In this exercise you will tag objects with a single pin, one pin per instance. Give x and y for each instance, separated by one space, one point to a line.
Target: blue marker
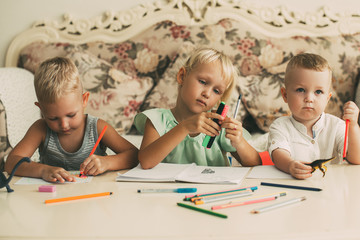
167 190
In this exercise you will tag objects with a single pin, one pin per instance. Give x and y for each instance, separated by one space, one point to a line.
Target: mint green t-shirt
190 150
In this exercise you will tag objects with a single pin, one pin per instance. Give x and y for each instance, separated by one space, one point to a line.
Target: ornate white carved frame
122 25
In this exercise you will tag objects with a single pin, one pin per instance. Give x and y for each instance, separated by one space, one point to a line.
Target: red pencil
346 135
96 144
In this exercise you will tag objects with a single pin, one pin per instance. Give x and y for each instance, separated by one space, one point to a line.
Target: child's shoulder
39 124
332 119
157 116
281 120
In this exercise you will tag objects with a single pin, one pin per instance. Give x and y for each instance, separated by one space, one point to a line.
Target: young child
176 135
65 135
310 134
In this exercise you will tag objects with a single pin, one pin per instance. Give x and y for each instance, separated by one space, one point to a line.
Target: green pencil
202 210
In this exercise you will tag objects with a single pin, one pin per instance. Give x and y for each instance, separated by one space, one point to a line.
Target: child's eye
71 115
300 90
202 82
52 119
319 92
216 91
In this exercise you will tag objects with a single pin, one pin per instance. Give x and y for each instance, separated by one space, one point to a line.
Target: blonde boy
309 133
65 135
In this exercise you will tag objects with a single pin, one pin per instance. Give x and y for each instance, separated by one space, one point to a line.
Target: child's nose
64 124
309 97
206 92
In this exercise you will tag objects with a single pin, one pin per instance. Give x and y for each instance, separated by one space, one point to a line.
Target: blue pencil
291 186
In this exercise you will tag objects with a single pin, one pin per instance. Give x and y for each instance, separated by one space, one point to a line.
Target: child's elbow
145 165
144 162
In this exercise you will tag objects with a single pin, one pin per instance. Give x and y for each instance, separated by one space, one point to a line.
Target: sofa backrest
128 60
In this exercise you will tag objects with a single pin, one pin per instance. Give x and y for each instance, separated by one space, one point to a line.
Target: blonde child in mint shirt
176 135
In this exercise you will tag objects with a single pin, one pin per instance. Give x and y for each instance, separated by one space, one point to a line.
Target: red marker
346 136
96 144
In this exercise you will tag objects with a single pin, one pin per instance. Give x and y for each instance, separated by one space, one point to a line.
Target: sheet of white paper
219 175
268 171
29 180
163 172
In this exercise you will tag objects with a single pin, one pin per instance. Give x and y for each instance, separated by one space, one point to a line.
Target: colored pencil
56 200
202 210
277 205
222 197
346 136
167 190
291 186
96 144
237 106
189 197
98 140
194 199
263 198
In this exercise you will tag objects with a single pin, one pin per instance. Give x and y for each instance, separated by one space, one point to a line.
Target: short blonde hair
209 55
307 61
55 78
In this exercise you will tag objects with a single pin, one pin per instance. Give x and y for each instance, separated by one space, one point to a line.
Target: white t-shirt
327 141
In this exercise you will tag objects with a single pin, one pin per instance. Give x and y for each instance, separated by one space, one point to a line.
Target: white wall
18 15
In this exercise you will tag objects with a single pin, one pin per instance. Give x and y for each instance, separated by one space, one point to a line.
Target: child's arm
26 148
285 163
155 148
125 153
245 154
351 112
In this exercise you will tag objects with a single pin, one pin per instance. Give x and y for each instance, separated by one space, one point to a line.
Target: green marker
202 210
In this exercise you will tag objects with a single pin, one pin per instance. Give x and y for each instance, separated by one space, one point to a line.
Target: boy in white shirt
309 133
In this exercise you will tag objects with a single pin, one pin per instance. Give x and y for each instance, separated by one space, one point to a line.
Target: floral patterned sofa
133 68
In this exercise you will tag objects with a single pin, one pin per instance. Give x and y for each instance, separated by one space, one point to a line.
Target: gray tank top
53 154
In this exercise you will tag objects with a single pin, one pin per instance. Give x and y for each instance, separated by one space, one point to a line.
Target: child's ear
284 94
85 98
330 94
37 104
181 75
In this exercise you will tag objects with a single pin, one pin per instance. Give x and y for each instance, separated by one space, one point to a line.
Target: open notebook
168 172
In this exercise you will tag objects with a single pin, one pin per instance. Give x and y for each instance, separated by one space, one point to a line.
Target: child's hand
351 112
94 165
234 131
299 170
53 174
203 123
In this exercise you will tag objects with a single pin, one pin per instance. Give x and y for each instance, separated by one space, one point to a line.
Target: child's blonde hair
308 61
209 55
55 78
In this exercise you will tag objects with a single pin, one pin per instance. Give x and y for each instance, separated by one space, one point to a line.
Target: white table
333 213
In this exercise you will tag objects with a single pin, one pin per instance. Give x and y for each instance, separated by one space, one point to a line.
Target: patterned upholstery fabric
151 59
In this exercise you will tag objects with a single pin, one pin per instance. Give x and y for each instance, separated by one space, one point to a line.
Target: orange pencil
56 200
96 144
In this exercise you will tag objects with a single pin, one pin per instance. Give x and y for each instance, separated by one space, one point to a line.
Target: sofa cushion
357 94
114 96
37 52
